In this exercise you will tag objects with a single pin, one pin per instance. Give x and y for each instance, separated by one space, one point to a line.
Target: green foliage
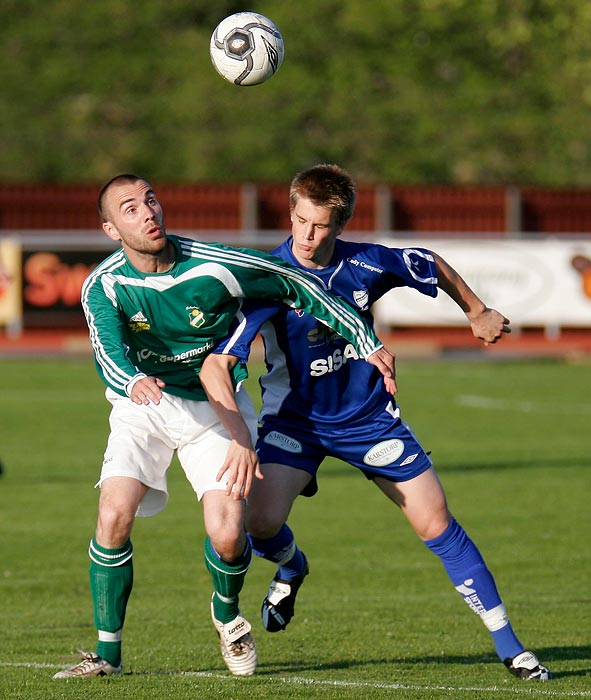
377 617
411 91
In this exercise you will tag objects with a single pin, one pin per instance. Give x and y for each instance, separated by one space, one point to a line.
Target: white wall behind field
541 283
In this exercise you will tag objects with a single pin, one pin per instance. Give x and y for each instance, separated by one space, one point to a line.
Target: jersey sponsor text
384 453
145 354
365 265
334 362
282 441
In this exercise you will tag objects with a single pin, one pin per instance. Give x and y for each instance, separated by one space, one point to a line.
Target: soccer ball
246 48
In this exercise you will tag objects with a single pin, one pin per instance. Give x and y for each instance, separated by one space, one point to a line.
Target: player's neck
153 262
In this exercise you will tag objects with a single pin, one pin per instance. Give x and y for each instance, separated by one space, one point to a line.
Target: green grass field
377 616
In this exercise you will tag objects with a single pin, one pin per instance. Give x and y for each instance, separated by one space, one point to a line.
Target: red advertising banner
51 285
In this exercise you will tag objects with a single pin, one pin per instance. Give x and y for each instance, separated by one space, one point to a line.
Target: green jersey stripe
246 259
116 376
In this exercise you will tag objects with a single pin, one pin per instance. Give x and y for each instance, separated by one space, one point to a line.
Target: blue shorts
385 447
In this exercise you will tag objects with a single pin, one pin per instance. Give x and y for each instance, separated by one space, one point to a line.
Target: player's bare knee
434 527
228 542
113 527
262 524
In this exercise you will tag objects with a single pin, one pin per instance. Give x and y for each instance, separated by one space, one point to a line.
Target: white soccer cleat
91 665
527 667
237 645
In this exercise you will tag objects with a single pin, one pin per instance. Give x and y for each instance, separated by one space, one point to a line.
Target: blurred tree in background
398 91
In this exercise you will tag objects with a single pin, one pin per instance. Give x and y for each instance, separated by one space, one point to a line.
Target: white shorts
143 441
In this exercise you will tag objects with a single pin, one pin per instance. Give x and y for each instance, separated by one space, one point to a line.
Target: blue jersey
313 373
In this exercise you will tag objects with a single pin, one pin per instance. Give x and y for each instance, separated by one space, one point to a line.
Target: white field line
487 402
533 688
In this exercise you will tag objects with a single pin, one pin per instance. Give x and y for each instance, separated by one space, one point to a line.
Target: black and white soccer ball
246 48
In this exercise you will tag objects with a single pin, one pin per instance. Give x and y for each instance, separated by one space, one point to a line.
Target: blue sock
283 551
474 582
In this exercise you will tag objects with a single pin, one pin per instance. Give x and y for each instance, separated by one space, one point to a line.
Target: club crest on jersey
196 316
138 322
361 297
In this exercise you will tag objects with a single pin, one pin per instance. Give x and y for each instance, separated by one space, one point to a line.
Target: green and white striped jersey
164 324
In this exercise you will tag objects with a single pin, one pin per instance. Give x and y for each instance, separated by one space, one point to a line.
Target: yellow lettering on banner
11 301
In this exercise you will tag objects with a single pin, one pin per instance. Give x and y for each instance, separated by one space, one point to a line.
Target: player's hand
147 390
385 361
242 462
489 326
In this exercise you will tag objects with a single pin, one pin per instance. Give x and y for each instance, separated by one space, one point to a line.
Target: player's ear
111 231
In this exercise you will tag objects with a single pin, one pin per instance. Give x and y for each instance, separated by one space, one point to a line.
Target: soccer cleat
278 607
91 665
527 667
237 645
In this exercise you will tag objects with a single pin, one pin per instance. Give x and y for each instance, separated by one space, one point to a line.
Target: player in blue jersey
154 309
319 401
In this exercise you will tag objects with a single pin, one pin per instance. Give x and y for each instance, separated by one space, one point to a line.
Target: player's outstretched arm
487 324
242 461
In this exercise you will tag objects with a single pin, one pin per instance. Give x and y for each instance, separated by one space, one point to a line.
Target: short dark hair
326 186
124 177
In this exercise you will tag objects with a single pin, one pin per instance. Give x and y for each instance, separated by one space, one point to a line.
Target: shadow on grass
546 655
529 463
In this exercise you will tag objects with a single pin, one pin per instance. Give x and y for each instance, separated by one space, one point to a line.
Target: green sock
111 581
228 579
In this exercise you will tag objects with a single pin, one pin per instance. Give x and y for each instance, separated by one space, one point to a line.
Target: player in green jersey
154 309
